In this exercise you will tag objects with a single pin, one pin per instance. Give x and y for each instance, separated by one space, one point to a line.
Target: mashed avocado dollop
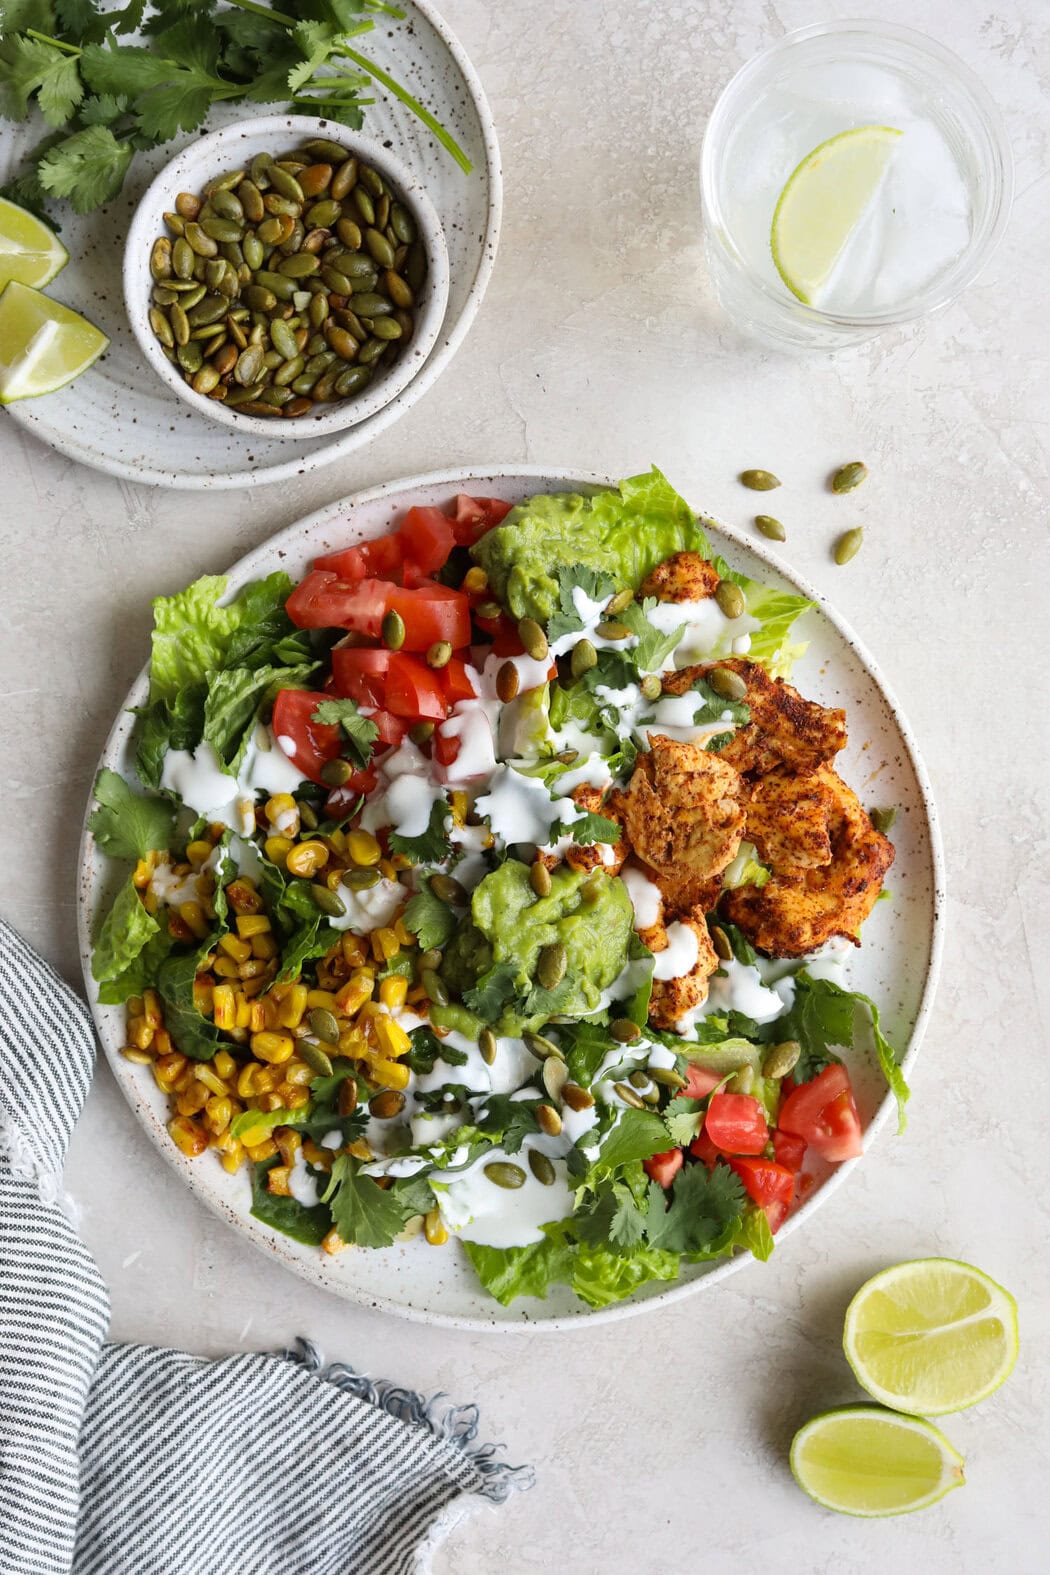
492 962
624 533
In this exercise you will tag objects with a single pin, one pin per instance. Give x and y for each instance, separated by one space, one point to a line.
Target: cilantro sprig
359 731
107 99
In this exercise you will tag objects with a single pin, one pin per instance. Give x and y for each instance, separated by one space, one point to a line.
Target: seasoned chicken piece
683 812
608 856
672 998
797 913
784 728
787 820
684 577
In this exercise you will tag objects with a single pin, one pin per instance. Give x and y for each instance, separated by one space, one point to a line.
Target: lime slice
823 202
862 1460
931 1336
43 345
30 251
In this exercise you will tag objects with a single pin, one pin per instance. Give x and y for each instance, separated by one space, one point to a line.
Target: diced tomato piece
427 538
431 613
359 672
324 601
789 1150
704 1150
700 1080
445 749
768 1184
776 1214
824 1113
341 800
505 638
474 516
392 729
380 558
663 1168
309 745
455 681
412 689
736 1124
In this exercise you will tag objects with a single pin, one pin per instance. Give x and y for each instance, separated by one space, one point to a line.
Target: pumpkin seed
345 179
205 380
503 1174
160 259
611 630
548 1119
203 244
180 325
434 986
249 365
393 630
551 965
555 1076
667 1077
368 355
721 943
624 1031
308 815
182 258
352 380
187 206
533 638
591 889
621 600
398 289
489 609
386 328
439 654
283 340
849 477
771 528
883 819
387 1105
448 889
759 480
542 1167
781 1059
335 772
328 901
343 343
190 357
368 304
629 1096
350 234
379 247
848 545
638 1080
651 686
727 684
207 311
508 682
318 1060
282 287
576 1098
583 658
364 205
542 1047
487 1046
161 327
359 879
163 295
225 360
324 148
324 1024
175 224
730 598
224 182
540 878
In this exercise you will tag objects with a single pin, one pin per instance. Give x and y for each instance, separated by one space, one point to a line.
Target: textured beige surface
661 1443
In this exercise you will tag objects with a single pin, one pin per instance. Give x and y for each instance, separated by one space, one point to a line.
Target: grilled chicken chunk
683 812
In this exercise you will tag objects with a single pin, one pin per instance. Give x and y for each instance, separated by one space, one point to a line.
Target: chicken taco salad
493 884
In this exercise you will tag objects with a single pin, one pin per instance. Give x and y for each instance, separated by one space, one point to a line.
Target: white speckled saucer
119 418
897 965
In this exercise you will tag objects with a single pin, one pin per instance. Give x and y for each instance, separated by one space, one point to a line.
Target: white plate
120 418
897 965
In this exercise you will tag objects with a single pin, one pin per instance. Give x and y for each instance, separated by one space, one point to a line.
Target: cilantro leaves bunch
105 98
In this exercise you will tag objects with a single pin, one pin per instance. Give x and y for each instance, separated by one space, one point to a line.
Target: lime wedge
823 202
30 251
931 1336
43 345
862 1460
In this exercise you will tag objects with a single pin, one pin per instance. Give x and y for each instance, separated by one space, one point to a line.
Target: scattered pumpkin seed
583 658
487 1046
770 528
730 598
324 1024
781 1059
540 878
387 1104
533 638
759 480
542 1047
486 609
551 965
721 943
440 654
503 1174
548 1119
328 901
611 630
555 1076
883 819
421 732
629 1096
448 889
542 1167
318 1060
849 477
667 1077
848 545
335 772
361 880
624 1031
727 684
575 1097
652 686
617 603
508 682
393 630
434 985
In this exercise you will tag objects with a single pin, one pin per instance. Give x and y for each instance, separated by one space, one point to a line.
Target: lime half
43 345
931 1336
863 1460
823 202
30 251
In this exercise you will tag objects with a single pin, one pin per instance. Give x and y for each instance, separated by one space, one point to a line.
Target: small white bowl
230 148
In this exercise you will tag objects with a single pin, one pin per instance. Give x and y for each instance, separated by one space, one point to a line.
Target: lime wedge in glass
43 345
862 1460
824 200
931 1336
30 251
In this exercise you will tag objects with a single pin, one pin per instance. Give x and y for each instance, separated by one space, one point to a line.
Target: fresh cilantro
683 1119
743 950
541 1002
362 1212
440 1101
586 828
654 647
704 1205
719 742
824 1014
360 731
715 708
125 825
585 1046
427 1048
614 1217
30 66
508 1121
431 921
88 168
493 989
593 583
637 1135
432 845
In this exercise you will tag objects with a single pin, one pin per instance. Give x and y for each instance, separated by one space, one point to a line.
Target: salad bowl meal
474 892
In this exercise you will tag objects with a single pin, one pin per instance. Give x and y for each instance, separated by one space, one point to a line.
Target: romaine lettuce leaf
126 931
777 611
507 1272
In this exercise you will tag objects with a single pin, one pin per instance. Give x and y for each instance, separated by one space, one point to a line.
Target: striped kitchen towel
130 1460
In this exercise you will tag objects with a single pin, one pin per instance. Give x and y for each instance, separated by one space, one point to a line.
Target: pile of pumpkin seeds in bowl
287 285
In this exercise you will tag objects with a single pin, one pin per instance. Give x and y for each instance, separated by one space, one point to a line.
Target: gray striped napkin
130 1460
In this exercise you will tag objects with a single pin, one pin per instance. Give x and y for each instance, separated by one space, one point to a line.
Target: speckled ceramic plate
119 417
897 964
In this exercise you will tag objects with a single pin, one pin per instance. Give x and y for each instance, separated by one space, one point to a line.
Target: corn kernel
198 853
243 1010
266 1078
289 1142
352 1043
290 1012
391 1074
363 848
264 946
233 1158
356 991
306 858
297 1073
403 933
434 1228
277 1178
233 945
400 861
243 897
316 1156
389 944
168 1068
458 803
218 1113
208 1076
393 992
246 1080
143 870
257 1152
140 1033
225 968
204 995
277 849
333 1243
185 1078
238 1035
135 1006
253 987
272 1101
388 869
187 1135
391 1037
368 1011
193 1099
251 924
223 1006
140 1057
360 1150
475 580
193 916
282 812
417 995
149 902
224 1064
151 1008
323 998
273 1048
294 1098
258 1017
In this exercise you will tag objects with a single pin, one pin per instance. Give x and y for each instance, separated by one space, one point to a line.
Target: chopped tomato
776 1214
309 745
768 1184
704 1150
789 1150
445 749
455 681
475 516
324 601
413 689
392 729
824 1113
699 1082
342 800
426 538
736 1124
359 672
431 613
380 558
505 638
664 1167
